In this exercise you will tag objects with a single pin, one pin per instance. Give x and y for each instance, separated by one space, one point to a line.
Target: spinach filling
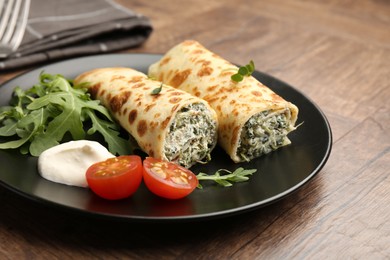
263 133
191 136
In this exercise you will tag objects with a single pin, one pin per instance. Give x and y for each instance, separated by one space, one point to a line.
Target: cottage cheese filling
191 136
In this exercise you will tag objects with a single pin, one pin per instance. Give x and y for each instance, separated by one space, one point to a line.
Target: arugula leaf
40 117
109 130
8 129
69 120
226 180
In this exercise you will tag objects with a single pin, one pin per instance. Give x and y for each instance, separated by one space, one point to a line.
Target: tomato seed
158 171
179 180
185 180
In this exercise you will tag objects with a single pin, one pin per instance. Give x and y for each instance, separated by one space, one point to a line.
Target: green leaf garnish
41 117
157 91
243 71
237 77
227 179
250 67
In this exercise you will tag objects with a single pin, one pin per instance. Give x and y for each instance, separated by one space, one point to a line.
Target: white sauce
67 163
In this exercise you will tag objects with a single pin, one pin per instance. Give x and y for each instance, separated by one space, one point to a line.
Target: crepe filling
264 132
191 135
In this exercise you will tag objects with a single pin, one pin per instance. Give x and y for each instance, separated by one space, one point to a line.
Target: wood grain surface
335 52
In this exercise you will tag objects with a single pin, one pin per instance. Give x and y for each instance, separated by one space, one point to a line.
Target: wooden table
338 54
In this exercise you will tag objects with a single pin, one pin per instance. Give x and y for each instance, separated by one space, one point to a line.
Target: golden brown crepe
171 125
253 120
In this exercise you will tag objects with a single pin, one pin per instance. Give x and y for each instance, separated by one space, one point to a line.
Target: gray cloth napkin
62 29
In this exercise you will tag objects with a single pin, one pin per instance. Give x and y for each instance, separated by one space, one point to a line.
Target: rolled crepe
171 125
253 120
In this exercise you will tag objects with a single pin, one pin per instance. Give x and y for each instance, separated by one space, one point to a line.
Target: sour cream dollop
68 162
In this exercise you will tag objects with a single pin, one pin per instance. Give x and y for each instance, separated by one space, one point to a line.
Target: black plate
279 173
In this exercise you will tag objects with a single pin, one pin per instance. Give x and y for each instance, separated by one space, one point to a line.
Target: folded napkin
70 28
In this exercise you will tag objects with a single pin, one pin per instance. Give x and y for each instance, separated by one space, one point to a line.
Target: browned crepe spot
223 97
132 116
226 73
212 88
142 127
115 77
176 93
197 51
165 122
136 79
117 101
174 100
153 124
138 85
205 71
165 61
94 90
235 112
148 107
180 77
257 93
204 62
189 42
211 99
174 108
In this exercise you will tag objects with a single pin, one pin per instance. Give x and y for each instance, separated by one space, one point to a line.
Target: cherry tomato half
115 178
168 180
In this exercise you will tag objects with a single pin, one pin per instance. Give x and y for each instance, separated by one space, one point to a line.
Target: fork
13 22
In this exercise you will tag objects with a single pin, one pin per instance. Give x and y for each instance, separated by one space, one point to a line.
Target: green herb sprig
243 71
41 117
227 179
157 91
